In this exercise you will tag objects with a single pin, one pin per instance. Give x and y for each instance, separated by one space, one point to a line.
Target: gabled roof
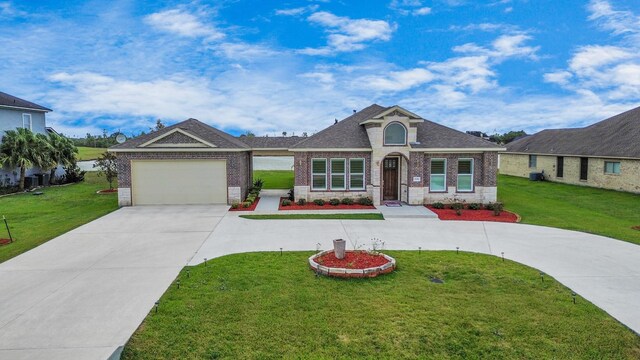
350 134
192 128
269 142
617 136
346 134
432 135
11 101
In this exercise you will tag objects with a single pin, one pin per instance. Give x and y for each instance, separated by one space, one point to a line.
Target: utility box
535 176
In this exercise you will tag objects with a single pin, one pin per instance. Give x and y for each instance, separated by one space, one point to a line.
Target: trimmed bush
334 202
286 202
318 202
474 206
235 205
489 206
497 208
347 201
302 202
457 206
365 201
437 205
246 204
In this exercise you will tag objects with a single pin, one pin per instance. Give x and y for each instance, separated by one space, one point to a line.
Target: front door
390 179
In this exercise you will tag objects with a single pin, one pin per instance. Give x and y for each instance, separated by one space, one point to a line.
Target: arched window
395 134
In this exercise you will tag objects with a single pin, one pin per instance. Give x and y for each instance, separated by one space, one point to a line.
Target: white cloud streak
183 23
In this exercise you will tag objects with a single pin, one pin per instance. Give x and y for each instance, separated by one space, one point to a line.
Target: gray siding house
17 113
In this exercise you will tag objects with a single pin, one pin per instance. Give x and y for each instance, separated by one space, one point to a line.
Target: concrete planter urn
339 247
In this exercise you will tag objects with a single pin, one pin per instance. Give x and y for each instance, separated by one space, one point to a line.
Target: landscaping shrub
73 174
258 184
489 206
474 206
302 202
286 202
318 202
235 205
457 206
334 202
291 195
365 201
437 205
246 204
497 208
347 201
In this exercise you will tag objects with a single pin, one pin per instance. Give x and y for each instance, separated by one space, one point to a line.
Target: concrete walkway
82 295
603 270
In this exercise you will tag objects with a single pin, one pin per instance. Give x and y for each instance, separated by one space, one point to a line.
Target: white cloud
558 77
505 46
183 23
398 80
240 51
422 11
8 10
346 34
617 21
297 11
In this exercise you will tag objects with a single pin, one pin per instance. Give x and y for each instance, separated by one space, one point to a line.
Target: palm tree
62 151
22 148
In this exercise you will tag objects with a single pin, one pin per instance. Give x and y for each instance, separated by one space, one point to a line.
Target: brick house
385 153
605 154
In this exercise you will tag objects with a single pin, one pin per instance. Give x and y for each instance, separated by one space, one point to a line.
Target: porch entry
390 176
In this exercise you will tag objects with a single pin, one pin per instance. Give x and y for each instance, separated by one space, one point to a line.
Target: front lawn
275 179
271 306
34 220
598 211
89 153
367 216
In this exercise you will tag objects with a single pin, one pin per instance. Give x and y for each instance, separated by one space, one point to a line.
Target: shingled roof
193 127
269 142
346 134
616 136
349 134
16 102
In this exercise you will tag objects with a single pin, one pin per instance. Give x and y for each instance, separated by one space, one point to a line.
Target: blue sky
294 66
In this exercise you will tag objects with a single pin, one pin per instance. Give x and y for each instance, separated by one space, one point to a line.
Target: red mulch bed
5 242
474 215
310 205
352 260
250 208
107 191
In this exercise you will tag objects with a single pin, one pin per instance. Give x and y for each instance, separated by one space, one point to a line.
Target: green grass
368 216
271 306
34 220
89 153
275 179
598 211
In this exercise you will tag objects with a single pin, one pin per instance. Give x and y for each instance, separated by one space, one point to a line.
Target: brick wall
628 179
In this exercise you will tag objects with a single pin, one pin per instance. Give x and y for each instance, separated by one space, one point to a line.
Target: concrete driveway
603 270
82 295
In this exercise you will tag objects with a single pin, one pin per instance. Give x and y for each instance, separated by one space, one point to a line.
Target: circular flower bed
356 264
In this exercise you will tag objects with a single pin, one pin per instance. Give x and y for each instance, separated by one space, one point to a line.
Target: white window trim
535 158
445 176
363 174
325 174
384 134
344 174
24 115
472 173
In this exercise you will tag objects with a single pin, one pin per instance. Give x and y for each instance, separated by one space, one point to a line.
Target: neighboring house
17 113
388 154
605 154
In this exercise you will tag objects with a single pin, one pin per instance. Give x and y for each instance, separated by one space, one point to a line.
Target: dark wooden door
390 179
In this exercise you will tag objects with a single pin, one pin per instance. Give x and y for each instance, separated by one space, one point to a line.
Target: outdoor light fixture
574 297
542 276
502 256
156 306
205 261
457 249
178 283
280 251
188 274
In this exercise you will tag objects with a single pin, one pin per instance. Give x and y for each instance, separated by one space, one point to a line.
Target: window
356 174
465 175
319 174
438 180
338 174
560 166
26 121
395 134
584 168
533 161
612 167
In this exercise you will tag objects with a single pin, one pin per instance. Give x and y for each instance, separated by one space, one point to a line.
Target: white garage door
178 182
